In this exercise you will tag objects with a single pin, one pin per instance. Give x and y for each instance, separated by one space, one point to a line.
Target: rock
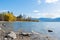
0 28
12 34
35 32
50 31
5 39
4 25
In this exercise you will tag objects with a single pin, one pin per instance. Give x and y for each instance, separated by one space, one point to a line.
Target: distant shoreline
16 21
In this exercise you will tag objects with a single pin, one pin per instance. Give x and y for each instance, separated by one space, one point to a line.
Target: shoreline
26 36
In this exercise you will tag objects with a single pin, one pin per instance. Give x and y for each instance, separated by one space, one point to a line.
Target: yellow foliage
9 17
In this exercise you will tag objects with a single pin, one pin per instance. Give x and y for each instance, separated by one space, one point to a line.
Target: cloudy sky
33 8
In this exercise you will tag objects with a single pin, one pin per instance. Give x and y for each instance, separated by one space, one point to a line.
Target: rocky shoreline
14 36
11 35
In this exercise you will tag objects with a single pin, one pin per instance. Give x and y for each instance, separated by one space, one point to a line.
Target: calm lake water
41 27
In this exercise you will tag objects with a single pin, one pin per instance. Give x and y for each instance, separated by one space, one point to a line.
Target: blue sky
32 8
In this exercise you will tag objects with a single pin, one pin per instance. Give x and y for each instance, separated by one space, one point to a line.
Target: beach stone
12 34
0 28
5 39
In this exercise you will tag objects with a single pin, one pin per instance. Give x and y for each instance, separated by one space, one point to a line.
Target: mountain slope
49 19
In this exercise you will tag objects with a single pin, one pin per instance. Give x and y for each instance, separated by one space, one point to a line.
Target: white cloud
46 15
58 10
52 14
3 11
39 2
36 11
51 1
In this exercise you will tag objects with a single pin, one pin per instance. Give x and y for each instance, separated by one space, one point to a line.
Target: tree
9 17
20 16
29 19
2 16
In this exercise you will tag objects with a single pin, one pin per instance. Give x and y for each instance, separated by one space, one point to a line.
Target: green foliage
1 16
20 16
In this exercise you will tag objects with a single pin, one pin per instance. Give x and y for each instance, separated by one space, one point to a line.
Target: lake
41 27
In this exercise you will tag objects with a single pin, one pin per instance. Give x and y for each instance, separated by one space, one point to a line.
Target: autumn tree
9 17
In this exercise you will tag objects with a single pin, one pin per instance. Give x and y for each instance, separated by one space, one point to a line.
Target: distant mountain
34 18
49 19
